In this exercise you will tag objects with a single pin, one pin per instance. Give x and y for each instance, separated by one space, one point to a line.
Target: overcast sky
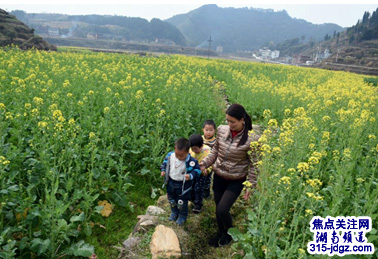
344 15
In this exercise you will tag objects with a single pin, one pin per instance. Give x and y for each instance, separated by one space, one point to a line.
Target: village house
53 32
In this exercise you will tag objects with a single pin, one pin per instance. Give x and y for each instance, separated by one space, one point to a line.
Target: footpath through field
193 236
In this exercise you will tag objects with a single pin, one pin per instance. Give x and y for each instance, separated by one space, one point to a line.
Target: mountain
102 26
245 28
13 31
355 49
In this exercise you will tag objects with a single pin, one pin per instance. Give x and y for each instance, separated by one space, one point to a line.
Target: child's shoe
173 217
180 221
197 208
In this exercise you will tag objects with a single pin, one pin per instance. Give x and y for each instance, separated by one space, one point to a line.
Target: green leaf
235 233
145 171
249 256
62 225
372 238
39 246
120 198
80 249
80 217
87 229
96 173
153 193
254 232
13 188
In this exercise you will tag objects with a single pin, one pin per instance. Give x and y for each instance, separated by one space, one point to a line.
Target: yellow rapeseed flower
303 167
284 180
287 112
57 113
273 123
347 154
276 150
71 122
301 251
139 94
308 212
315 183
35 112
326 118
313 160
267 114
66 83
38 101
315 197
42 124
4 161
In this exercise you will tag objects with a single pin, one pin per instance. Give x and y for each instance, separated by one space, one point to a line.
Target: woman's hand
202 168
247 195
162 173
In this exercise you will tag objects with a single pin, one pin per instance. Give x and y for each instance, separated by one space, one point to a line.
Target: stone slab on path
164 243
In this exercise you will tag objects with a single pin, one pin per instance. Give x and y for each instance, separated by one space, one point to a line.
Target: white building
53 32
319 56
269 54
275 54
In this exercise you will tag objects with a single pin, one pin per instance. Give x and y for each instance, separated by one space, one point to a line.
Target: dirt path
199 228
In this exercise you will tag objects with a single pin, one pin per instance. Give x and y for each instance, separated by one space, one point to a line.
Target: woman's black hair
237 111
182 144
196 140
209 122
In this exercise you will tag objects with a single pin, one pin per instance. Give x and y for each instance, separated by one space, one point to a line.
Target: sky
345 15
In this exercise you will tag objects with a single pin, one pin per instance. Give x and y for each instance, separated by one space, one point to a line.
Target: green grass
121 222
73 49
371 81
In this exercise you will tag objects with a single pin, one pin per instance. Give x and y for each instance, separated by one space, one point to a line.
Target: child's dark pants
178 202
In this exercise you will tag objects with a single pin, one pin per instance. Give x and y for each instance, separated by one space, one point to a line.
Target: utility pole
208 52
337 55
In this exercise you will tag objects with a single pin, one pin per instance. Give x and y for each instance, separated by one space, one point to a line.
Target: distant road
352 68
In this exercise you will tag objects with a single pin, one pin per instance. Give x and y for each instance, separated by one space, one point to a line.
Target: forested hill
13 31
104 26
245 28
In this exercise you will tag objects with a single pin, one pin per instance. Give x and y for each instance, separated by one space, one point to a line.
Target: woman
231 165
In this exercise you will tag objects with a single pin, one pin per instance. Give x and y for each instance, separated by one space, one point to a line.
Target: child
209 133
209 139
199 151
179 169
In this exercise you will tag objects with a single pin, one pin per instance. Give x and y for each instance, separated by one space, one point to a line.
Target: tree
272 46
11 35
351 39
365 18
